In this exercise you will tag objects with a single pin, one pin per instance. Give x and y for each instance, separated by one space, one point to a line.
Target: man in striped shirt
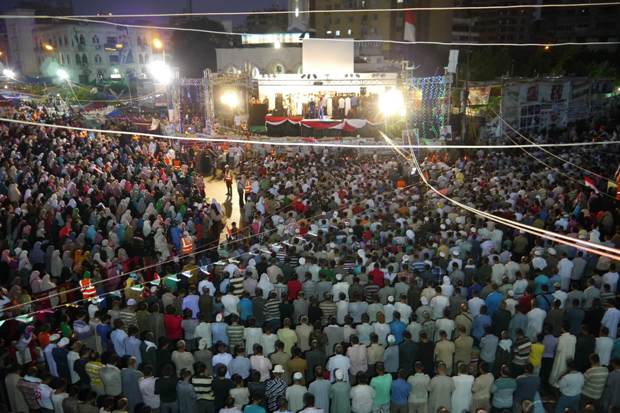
272 311
595 378
521 352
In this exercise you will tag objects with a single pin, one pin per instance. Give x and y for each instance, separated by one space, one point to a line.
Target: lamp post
159 45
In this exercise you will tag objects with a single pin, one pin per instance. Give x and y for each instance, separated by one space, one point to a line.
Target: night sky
169 6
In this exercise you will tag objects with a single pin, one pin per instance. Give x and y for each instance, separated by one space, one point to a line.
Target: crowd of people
346 286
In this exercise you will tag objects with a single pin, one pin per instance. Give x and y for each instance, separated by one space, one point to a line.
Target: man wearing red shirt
294 287
377 276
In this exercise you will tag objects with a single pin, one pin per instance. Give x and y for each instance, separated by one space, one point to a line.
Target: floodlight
392 102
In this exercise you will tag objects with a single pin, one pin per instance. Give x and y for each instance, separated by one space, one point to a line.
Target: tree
195 51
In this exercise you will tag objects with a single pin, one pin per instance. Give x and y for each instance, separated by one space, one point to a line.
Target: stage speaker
257 114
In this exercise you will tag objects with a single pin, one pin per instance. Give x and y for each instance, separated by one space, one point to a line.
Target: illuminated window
337 32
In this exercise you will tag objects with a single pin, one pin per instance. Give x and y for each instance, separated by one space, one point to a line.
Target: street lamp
48 47
62 74
158 44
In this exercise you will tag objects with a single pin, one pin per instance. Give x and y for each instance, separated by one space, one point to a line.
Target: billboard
327 56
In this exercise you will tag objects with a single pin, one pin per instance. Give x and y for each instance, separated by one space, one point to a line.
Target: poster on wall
479 95
532 93
557 92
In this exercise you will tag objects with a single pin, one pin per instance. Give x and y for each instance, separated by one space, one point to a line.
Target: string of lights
307 144
383 41
549 152
594 248
321 11
196 267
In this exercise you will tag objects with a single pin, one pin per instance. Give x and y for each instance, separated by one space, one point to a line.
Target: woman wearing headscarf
67 261
447 289
56 264
35 282
48 285
161 245
265 285
37 256
24 265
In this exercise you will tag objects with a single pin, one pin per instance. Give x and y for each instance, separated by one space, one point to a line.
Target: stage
298 126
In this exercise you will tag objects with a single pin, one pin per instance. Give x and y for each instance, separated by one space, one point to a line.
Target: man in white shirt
611 319
438 304
362 396
230 303
535 320
604 346
565 269
340 287
260 363
404 309
611 278
339 361
147 388
474 304
570 385
206 287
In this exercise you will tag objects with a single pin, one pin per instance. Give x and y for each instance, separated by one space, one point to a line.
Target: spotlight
303 76
161 72
392 102
357 75
315 76
230 99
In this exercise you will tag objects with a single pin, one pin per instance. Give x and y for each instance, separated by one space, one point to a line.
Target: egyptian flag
409 32
589 182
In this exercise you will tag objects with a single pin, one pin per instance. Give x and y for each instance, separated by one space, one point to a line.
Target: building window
68 59
82 39
375 16
111 40
140 59
95 39
97 59
349 32
337 32
78 61
113 59
328 32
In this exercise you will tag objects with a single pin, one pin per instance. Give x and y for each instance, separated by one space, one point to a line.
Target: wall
265 59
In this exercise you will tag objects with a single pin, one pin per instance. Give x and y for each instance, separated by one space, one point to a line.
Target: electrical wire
307 144
401 42
368 208
299 11
570 178
549 152
559 238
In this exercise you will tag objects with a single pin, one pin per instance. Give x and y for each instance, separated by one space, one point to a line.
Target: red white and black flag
409 32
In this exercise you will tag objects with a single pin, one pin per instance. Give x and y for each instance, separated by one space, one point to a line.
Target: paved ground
216 188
